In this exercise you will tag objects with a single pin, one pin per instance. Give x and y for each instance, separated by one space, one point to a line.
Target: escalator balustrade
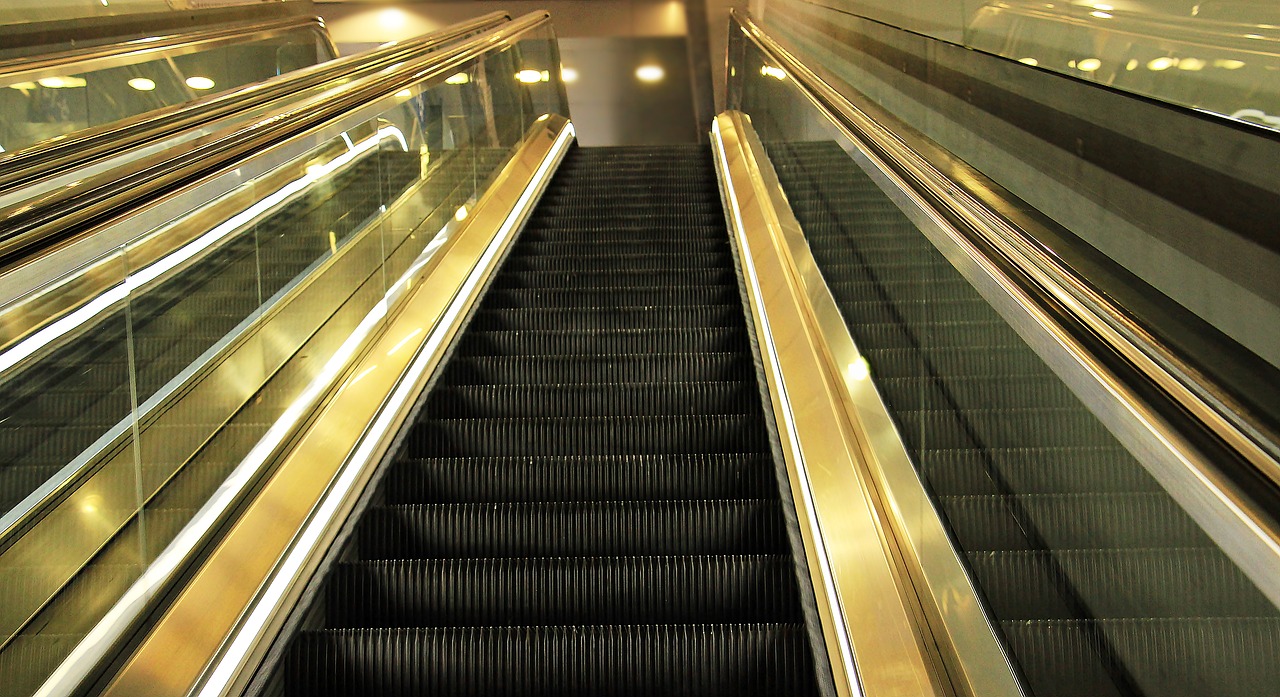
1099 583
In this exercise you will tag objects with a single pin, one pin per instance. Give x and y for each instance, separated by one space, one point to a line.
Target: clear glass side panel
36 106
161 374
1096 580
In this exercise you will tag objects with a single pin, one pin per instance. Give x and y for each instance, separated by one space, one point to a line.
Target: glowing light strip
268 603
847 656
42 338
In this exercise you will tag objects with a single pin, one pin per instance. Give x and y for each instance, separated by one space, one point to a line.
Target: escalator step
616 317
563 591
590 528
580 478
738 660
618 369
553 400
580 298
583 342
1150 583
673 275
630 435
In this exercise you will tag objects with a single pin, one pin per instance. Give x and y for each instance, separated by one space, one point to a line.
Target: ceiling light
1089 65
650 73
1100 14
142 84
568 75
773 72
199 82
391 18
1163 63
529 76
1029 61
1132 64
404 94
457 79
1191 64
23 86
1228 63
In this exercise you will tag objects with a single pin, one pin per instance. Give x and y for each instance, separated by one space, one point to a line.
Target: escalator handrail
26 166
65 214
1219 444
153 44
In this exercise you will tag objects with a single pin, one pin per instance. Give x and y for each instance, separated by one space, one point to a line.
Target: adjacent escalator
587 503
1098 581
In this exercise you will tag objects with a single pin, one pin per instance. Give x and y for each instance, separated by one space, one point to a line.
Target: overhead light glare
1191 64
1089 65
392 18
529 76
1228 63
404 94
1029 61
461 214
1104 8
60 82
568 75
1162 63
773 72
1101 15
23 86
1132 64
199 82
142 84
650 73
457 79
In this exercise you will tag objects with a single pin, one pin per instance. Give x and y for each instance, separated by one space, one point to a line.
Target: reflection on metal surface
142 84
199 82
850 549
264 541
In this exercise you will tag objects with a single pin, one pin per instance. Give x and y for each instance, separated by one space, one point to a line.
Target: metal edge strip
849 550
222 620
1226 513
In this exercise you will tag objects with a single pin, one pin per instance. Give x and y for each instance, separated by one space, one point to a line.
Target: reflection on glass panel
1098 582
1217 56
38 106
200 344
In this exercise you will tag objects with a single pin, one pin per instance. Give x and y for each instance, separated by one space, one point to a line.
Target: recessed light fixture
60 82
650 73
457 79
529 76
1029 61
568 74
199 82
1089 65
142 84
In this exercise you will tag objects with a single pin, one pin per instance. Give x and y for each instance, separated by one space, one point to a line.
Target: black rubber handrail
27 166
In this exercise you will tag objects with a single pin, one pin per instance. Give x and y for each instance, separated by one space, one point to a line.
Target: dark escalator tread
592 528
584 342
581 478
712 660
616 317
599 369
1163 656
607 399
579 298
675 274
563 591
1123 583
630 435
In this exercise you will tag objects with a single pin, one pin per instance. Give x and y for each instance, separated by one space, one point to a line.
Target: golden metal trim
876 639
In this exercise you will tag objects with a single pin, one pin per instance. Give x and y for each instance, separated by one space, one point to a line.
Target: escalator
1099 582
586 503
